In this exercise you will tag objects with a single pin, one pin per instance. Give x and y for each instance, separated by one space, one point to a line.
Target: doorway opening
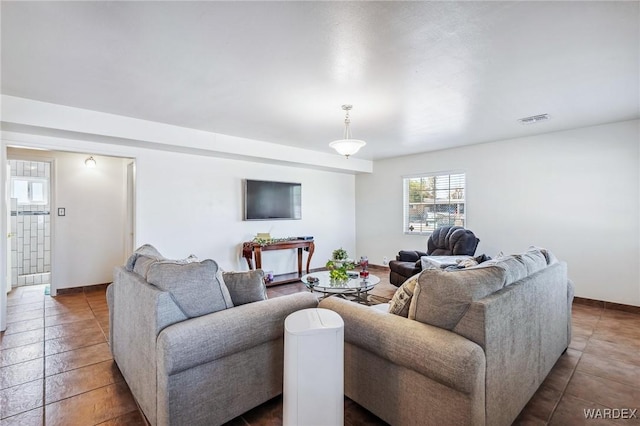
30 222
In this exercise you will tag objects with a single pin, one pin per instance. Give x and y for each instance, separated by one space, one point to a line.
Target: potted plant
339 254
338 265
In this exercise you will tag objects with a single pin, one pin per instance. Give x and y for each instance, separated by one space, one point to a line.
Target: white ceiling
421 75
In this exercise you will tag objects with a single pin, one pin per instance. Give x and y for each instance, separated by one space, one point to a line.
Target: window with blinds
432 201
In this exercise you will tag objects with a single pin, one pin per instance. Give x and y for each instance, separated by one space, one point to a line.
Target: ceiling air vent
534 119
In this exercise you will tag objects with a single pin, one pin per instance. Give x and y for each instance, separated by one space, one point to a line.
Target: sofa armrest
570 294
407 256
223 333
439 354
138 311
110 298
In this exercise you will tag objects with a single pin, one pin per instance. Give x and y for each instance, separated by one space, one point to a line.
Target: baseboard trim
606 305
82 289
379 267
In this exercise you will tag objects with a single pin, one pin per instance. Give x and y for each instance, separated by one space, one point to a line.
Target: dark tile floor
56 368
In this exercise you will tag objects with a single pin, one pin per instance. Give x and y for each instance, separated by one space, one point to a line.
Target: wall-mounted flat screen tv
267 200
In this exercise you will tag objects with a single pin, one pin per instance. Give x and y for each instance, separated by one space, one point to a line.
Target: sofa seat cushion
246 287
401 300
197 288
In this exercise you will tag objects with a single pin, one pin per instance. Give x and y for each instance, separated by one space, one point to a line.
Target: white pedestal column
313 391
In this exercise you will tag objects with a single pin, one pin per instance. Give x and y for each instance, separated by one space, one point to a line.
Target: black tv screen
266 200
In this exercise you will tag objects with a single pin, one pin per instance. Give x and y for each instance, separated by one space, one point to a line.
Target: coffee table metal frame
356 289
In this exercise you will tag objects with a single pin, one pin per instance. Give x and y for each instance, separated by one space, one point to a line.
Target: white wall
42 117
191 204
575 192
188 203
89 240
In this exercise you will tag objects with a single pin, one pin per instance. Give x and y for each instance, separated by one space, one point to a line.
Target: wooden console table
251 249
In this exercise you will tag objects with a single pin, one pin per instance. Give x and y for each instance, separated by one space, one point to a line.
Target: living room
570 184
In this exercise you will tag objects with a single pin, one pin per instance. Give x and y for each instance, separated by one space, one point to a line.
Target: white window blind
432 201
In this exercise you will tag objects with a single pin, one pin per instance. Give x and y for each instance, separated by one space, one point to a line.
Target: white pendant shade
347 147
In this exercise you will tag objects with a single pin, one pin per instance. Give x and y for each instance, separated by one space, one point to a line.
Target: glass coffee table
355 289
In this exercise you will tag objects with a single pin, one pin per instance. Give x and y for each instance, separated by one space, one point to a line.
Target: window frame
30 181
406 215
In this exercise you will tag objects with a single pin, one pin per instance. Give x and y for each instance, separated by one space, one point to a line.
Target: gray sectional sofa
193 349
475 346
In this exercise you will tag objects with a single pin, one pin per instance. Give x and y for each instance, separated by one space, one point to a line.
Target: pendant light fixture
347 146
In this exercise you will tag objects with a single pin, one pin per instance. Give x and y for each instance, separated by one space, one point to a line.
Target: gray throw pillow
533 259
142 264
197 288
245 287
144 250
145 255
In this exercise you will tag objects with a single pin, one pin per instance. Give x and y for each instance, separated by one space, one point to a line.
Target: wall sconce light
90 162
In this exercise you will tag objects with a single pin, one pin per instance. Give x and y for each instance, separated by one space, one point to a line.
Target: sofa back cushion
442 297
197 287
518 266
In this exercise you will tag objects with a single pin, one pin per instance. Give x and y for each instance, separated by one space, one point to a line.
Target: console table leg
247 253
258 254
310 249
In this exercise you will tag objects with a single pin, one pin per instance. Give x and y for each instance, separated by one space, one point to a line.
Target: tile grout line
564 389
44 406
573 371
44 378
94 316
595 327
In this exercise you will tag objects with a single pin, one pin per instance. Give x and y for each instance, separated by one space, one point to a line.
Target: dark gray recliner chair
444 241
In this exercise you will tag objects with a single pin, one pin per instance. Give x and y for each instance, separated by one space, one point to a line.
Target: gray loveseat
480 342
188 367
